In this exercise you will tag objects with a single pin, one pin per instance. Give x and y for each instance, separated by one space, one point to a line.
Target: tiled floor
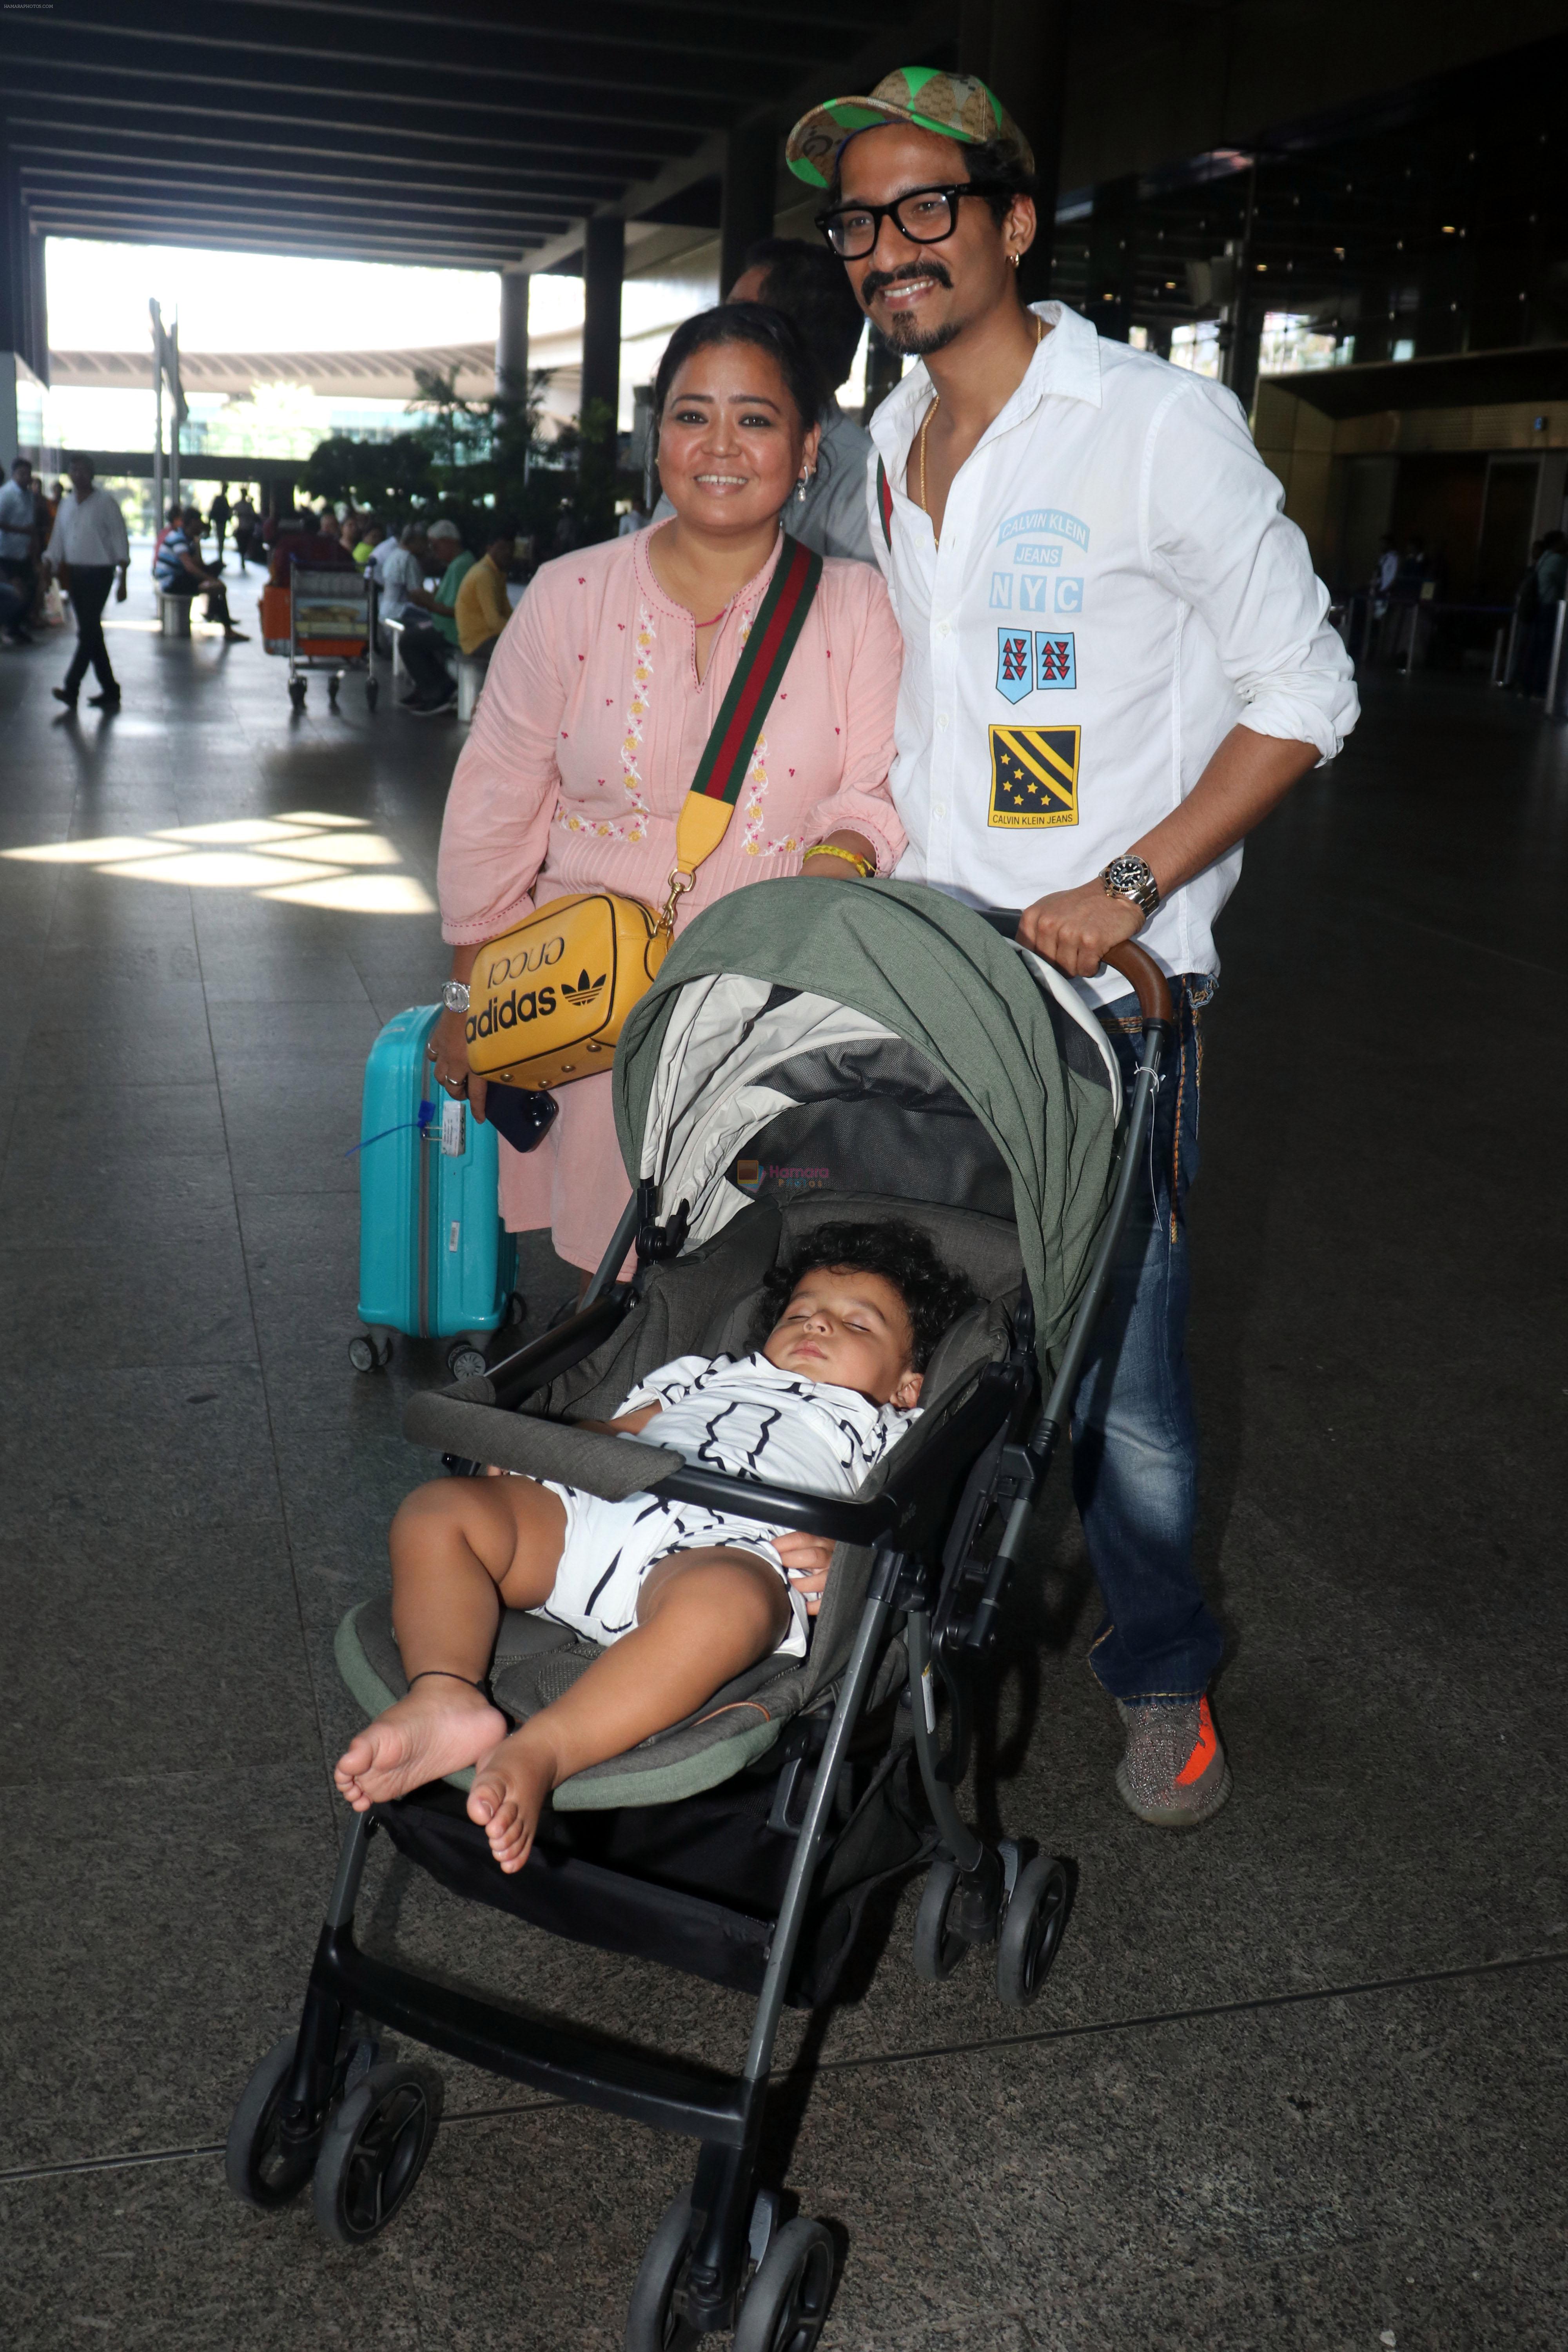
1296 2083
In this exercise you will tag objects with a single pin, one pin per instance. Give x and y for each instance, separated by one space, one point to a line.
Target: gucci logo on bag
526 959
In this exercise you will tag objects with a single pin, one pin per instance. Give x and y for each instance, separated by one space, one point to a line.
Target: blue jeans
1134 1460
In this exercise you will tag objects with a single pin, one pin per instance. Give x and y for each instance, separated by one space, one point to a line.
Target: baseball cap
956 106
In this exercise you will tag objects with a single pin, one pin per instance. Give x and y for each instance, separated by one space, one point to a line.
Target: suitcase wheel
465 1361
371 1352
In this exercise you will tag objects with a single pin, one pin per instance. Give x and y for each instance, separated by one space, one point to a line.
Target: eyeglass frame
880 212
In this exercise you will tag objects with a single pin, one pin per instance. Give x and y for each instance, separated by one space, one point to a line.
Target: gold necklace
925 428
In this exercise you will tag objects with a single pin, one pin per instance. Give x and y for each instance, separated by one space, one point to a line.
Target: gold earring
1015 258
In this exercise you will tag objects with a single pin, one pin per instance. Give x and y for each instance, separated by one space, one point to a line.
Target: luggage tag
454 1138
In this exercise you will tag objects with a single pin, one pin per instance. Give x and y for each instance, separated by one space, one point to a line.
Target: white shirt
744 1415
398 570
1116 588
16 522
88 531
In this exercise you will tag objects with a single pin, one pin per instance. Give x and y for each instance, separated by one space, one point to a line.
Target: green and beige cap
956 106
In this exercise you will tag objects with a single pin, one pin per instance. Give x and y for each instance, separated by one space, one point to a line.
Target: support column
12 302
1112 283
750 190
604 266
1019 48
511 341
604 263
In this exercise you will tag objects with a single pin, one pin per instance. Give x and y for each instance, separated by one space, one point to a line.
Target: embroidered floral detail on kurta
635 825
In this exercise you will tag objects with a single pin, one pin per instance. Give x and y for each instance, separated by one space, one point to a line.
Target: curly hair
934 1294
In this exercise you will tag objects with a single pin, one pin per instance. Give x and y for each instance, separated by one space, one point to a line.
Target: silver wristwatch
455 995
1129 877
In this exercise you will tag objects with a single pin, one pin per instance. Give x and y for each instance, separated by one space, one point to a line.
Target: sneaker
105 701
234 638
62 694
431 710
1175 1774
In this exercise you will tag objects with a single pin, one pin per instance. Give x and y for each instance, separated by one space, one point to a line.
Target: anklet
482 1688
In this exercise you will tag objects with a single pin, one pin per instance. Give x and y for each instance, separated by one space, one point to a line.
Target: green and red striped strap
759 674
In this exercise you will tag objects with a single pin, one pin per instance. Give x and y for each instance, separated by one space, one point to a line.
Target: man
19 547
808 286
305 545
88 547
1117 661
484 608
430 625
399 568
218 516
182 573
243 525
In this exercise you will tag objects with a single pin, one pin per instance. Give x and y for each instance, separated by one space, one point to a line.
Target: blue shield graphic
1014 664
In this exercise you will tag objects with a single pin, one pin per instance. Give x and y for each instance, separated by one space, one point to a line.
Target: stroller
804 1054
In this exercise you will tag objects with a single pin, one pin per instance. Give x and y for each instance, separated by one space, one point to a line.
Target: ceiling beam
33 145
644 79
292 240
175 187
528 42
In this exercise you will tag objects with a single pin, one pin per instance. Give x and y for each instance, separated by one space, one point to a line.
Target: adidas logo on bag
584 992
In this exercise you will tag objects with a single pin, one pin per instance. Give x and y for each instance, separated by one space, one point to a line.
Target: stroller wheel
786 2303
938 1950
257 2167
651 2325
374 2150
1032 1930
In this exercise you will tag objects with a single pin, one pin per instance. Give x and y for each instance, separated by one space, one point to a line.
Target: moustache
875 281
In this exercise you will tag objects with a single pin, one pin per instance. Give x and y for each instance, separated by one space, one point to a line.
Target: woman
599 700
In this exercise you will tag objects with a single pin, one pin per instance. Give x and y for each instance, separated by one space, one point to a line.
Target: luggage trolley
332 625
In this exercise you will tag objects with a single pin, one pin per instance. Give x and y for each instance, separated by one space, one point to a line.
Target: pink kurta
589 730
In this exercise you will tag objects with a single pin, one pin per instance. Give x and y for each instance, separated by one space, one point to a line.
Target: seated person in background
430 626
302 540
683 1598
399 566
370 530
170 522
180 572
484 607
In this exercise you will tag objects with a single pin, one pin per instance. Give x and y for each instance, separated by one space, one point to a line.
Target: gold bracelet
863 866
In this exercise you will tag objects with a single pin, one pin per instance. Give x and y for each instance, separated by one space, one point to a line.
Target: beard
904 333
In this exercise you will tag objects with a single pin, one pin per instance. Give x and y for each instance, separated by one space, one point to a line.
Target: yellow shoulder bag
547 1000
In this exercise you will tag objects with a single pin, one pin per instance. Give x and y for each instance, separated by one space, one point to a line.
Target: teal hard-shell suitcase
435 1260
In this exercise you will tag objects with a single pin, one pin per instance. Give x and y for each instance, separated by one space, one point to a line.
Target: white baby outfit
723 1413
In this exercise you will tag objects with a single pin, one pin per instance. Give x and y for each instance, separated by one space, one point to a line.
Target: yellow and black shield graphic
1033 775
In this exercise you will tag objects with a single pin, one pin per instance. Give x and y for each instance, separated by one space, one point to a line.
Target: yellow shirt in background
483 607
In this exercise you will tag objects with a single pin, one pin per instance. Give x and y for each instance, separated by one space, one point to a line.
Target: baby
684 1598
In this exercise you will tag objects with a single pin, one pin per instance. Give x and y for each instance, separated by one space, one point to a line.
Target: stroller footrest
550 2058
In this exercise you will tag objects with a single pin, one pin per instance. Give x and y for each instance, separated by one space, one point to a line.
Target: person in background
484 608
632 520
170 522
19 546
807 284
371 532
304 541
88 547
182 573
244 527
430 626
399 569
218 515
1551 574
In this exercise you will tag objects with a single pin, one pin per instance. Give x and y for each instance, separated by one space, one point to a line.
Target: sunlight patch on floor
307 858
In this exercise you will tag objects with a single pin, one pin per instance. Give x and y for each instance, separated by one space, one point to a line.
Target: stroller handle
1134 963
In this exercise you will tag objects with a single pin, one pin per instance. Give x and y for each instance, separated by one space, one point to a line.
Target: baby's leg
703 1617
462 1549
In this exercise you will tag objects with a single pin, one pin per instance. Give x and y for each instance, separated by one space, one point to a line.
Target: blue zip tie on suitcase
427 1113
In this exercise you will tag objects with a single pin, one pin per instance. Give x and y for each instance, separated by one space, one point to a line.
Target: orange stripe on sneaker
1204 1754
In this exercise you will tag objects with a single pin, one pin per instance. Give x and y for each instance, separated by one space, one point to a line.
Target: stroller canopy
905 1016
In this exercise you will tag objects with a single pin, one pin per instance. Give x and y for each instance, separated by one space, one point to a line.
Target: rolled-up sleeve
504 791
1217 535
865 628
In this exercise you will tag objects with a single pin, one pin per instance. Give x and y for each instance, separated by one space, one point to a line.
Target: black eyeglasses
925 216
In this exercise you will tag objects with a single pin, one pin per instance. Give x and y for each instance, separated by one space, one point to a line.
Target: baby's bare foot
511 1785
441 1725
